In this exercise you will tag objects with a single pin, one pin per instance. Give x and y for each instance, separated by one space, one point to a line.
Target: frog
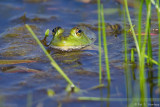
80 37
77 38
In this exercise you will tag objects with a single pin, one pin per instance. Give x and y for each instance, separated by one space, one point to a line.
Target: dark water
20 89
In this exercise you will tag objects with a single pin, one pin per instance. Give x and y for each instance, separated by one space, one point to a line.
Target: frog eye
78 32
55 29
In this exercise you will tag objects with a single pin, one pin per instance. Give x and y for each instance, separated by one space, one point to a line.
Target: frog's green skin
76 38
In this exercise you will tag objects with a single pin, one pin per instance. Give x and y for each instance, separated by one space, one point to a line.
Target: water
22 88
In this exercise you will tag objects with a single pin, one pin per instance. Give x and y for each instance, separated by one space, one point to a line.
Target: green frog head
76 38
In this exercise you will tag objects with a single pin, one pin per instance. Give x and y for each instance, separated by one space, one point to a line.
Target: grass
158 14
141 52
149 45
105 44
156 4
114 99
125 38
142 57
102 32
140 24
132 30
132 55
99 42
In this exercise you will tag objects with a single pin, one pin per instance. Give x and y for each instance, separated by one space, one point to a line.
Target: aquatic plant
132 55
99 41
101 19
141 54
125 38
156 4
158 14
140 24
149 43
105 44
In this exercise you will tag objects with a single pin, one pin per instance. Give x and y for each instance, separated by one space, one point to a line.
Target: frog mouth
67 48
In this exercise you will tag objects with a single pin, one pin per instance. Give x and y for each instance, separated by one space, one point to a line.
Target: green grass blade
149 45
125 38
133 32
149 50
140 54
99 41
147 27
151 60
116 99
142 61
156 5
140 24
101 99
158 14
105 44
132 55
53 63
